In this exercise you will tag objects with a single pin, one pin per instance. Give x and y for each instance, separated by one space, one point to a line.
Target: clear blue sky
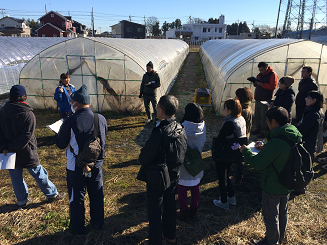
107 13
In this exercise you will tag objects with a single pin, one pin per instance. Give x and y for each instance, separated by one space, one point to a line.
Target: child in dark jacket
285 95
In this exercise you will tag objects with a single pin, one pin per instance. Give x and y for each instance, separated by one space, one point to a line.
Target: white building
200 31
14 27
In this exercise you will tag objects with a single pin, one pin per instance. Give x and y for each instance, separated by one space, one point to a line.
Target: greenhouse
15 52
112 69
228 63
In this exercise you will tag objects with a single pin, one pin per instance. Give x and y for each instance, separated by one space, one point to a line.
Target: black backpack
91 148
298 171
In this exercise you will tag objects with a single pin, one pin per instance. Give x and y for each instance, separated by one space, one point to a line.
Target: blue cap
81 95
17 91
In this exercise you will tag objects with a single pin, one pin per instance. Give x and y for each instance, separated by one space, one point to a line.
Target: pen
261 142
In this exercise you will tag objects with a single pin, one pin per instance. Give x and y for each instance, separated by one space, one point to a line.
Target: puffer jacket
167 144
276 151
17 133
285 98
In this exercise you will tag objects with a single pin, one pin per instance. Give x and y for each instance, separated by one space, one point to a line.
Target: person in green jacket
276 151
148 89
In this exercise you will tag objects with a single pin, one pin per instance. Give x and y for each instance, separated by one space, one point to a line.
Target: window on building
196 38
2 25
129 29
216 29
209 38
249 35
52 15
17 25
14 35
209 29
204 29
43 35
139 29
63 24
41 23
220 30
219 37
54 35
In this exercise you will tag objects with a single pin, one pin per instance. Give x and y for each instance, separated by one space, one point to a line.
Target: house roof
18 30
15 19
51 26
127 21
53 12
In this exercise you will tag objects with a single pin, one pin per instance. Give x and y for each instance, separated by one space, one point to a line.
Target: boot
183 215
192 214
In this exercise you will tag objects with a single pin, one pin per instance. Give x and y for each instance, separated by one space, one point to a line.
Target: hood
288 130
172 128
193 130
289 90
14 109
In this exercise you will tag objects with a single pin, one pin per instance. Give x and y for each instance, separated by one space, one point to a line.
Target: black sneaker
59 196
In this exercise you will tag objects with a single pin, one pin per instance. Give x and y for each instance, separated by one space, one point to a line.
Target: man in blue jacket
62 94
73 134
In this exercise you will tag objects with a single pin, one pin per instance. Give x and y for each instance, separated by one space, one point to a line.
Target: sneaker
322 160
230 200
260 242
324 167
148 120
59 196
218 203
169 241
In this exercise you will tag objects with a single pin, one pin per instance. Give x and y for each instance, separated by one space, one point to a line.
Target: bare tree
150 23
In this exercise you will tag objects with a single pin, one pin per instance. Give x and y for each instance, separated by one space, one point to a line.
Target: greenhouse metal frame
112 69
228 63
15 52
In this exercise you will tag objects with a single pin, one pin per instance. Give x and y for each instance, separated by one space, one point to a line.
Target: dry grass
125 200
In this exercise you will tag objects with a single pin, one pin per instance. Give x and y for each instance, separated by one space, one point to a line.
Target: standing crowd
163 168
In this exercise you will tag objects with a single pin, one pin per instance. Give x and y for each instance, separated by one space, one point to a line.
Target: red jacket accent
273 81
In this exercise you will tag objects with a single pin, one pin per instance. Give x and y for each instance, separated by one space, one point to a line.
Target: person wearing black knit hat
148 90
74 134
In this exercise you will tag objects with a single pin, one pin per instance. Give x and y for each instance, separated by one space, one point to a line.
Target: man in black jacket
148 89
74 133
166 147
306 84
17 135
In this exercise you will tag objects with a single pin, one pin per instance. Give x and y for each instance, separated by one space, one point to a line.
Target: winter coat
247 115
62 98
276 151
305 86
75 131
196 137
17 133
269 83
150 83
311 124
158 150
285 98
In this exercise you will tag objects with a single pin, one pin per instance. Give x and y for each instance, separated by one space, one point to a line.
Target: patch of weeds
50 215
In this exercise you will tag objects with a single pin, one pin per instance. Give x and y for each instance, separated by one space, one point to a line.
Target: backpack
91 149
298 171
193 161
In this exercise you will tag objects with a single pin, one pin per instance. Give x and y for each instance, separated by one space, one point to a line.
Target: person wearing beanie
17 136
285 95
73 135
148 90
62 95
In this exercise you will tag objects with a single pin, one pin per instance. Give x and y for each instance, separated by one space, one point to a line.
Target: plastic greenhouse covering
228 63
15 52
111 68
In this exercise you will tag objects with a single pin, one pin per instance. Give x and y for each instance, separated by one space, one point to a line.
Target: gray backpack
91 150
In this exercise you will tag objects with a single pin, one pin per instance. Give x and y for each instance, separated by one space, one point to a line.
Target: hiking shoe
322 160
169 241
218 203
324 167
230 200
148 120
59 196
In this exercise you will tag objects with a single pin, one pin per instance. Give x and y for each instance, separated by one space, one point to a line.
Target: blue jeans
41 177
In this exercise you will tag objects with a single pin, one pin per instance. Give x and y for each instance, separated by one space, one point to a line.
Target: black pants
225 184
77 185
167 225
239 167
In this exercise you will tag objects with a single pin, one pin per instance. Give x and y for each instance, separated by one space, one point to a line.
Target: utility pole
130 18
144 20
2 12
45 9
190 19
238 25
92 22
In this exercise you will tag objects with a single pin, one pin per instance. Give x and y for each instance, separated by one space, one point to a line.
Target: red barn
54 24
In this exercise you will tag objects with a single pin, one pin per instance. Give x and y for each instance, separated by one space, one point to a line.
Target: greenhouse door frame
304 59
95 75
